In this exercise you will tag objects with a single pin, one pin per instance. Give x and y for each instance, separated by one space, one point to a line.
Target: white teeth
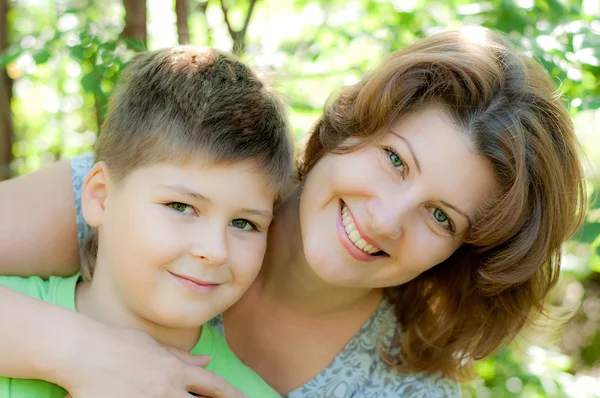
350 227
361 243
353 233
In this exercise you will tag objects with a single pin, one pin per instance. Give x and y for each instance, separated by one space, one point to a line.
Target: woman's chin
331 269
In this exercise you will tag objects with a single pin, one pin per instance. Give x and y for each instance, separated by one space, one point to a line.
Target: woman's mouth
358 244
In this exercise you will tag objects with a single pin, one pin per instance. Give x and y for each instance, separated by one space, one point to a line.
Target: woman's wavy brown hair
495 284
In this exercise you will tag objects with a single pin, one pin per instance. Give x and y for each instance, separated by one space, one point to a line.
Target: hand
117 362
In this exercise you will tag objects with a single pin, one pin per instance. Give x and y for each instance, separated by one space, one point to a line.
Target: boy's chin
183 319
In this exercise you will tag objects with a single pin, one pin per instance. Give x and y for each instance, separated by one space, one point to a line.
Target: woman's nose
387 217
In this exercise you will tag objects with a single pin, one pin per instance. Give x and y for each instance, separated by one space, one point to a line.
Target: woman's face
383 214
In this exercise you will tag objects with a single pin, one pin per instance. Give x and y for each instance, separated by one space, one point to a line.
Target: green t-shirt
61 291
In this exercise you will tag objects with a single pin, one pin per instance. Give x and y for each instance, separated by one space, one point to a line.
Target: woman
425 233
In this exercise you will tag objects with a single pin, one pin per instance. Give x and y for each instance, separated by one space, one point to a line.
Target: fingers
199 360
204 383
196 360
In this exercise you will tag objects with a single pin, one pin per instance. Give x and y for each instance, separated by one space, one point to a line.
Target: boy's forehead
202 179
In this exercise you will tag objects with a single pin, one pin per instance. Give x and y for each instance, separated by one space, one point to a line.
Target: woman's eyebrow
462 213
410 149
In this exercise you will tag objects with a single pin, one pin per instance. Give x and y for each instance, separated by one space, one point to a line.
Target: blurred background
60 59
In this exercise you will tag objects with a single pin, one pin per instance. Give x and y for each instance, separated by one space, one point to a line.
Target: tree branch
248 16
232 32
238 36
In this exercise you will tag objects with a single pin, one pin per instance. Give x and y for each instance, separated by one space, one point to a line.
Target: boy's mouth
195 284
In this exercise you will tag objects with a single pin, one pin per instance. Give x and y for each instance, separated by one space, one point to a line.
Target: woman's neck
288 279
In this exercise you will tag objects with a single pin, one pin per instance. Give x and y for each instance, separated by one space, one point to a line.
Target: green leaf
9 56
486 368
135 45
77 52
588 232
90 82
41 57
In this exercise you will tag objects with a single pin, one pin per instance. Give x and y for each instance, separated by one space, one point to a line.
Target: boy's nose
212 249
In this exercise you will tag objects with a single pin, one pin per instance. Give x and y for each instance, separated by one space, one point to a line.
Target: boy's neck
287 278
98 300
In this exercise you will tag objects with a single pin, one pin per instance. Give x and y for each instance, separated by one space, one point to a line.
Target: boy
192 156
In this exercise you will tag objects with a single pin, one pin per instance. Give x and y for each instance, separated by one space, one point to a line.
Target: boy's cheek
247 260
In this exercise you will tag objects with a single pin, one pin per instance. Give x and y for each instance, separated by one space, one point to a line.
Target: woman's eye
395 160
243 224
440 216
181 207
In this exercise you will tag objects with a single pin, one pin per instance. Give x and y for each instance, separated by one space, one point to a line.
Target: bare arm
33 322
38 232
43 341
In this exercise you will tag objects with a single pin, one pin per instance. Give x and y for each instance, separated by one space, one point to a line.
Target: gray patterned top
357 371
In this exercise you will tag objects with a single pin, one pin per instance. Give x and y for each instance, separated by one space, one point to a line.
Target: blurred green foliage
65 57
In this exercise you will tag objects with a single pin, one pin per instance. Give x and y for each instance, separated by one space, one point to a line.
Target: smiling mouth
195 284
353 234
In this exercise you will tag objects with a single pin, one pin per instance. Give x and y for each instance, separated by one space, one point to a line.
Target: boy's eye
181 207
243 224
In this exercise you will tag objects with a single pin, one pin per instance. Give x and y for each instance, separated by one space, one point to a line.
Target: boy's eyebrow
183 190
260 213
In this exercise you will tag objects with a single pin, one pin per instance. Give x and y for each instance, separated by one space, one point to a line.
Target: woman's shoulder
386 382
359 371
80 166
380 382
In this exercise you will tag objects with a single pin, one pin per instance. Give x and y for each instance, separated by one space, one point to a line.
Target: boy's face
179 244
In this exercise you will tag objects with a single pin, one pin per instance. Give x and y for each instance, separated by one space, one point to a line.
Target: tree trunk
6 127
183 32
135 22
135 34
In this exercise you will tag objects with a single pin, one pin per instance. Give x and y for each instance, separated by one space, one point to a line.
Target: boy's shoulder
224 363
55 290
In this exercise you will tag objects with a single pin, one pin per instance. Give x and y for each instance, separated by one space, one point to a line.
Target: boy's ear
94 193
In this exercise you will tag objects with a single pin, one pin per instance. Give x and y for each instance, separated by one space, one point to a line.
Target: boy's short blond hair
172 105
